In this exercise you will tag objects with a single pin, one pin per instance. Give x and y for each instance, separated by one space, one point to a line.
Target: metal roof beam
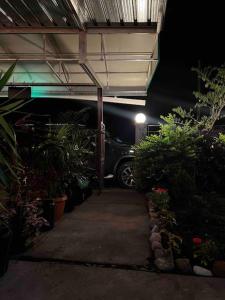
71 84
37 59
56 74
85 65
78 97
85 89
54 44
13 57
70 30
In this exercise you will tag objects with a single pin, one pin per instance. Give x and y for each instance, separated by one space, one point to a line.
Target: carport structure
77 49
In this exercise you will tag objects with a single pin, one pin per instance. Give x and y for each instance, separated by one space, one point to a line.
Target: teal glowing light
37 92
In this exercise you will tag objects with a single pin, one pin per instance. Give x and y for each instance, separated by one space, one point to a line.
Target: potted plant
49 163
58 195
9 165
78 148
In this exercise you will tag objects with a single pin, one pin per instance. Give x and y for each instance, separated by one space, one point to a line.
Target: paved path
113 229
53 281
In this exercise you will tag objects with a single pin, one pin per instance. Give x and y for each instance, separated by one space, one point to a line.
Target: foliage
160 199
167 218
210 102
210 165
184 156
63 156
159 157
213 216
182 187
31 221
188 158
10 162
6 214
172 240
205 252
8 152
221 138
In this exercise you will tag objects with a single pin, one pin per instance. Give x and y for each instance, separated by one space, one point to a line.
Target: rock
153 215
202 271
155 228
155 236
219 268
156 245
154 222
164 264
183 265
159 253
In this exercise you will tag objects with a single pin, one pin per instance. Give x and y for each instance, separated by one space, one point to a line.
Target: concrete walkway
111 231
111 228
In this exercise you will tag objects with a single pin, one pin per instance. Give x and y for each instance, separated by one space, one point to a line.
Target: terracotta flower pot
59 207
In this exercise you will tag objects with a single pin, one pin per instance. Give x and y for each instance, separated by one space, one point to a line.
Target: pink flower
159 190
197 241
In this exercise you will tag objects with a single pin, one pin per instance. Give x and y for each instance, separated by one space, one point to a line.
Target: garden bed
180 243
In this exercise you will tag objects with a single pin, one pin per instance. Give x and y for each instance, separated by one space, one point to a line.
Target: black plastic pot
18 240
69 205
49 214
88 192
5 243
76 196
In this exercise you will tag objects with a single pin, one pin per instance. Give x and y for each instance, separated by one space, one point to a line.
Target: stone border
163 258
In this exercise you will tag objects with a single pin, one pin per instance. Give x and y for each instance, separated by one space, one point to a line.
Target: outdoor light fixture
140 127
140 118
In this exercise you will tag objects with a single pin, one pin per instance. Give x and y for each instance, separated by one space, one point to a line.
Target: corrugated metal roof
62 13
122 61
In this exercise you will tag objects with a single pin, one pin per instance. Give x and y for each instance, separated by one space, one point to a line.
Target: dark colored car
119 162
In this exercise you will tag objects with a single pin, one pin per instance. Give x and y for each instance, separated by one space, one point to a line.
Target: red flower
160 190
197 241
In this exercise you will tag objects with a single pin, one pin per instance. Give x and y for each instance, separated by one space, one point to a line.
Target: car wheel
125 175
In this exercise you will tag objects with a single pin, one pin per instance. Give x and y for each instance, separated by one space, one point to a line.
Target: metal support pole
100 142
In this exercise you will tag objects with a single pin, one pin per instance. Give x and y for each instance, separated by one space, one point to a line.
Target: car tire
125 176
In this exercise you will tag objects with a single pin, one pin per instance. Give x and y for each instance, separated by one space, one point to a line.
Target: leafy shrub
210 165
205 252
160 198
183 188
159 157
167 218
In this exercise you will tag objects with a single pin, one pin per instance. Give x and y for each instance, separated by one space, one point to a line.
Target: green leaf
9 142
6 163
7 128
2 179
11 106
4 79
17 107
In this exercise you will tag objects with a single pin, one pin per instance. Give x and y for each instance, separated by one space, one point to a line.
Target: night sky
193 32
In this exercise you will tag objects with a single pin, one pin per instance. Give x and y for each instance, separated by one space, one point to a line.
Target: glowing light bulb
140 118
